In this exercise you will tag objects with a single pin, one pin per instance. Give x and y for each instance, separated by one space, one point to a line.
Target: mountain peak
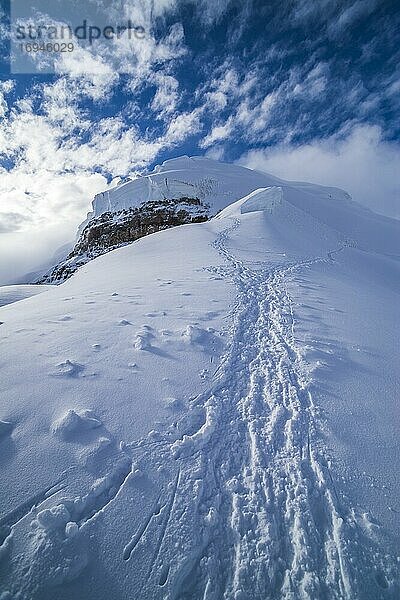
187 189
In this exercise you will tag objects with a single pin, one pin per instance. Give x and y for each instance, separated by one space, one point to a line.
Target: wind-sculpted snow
217 184
267 199
221 184
74 423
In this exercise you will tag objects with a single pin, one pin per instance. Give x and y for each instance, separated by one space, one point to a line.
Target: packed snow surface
210 412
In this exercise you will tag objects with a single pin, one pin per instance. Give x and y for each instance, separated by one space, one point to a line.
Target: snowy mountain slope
112 230
221 184
15 293
214 405
184 190
215 183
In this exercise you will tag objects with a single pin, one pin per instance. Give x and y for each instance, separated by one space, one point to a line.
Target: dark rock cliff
114 229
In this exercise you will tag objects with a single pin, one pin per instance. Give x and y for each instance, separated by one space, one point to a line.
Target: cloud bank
361 162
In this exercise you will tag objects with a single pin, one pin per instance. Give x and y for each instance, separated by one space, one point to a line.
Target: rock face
111 230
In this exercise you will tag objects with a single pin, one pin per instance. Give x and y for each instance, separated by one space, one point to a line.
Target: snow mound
173 403
143 338
68 368
75 422
53 518
195 335
265 199
123 322
191 443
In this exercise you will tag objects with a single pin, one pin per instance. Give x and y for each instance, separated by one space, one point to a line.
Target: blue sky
307 89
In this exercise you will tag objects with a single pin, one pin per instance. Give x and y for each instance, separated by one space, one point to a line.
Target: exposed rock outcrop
114 229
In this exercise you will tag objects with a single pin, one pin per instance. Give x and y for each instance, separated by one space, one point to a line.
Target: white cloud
226 87
162 6
24 252
39 212
257 115
182 126
351 14
339 15
218 133
210 11
315 81
95 75
362 163
249 118
140 58
305 10
5 88
216 153
38 198
217 99
166 96
98 62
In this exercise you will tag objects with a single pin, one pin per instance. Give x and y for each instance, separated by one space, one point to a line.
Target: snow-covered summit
192 189
215 183
179 191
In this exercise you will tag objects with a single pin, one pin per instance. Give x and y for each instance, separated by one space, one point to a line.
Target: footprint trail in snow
253 512
234 501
